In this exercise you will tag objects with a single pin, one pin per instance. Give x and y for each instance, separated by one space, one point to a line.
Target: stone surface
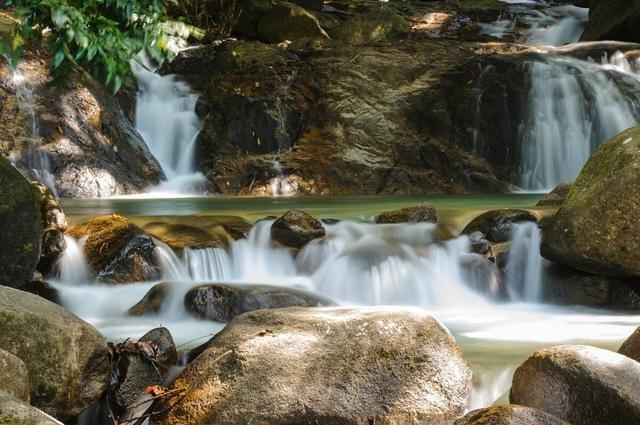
613 20
67 358
180 236
381 24
296 228
595 230
631 346
414 214
21 228
556 196
326 365
52 247
496 225
16 412
288 21
43 289
222 302
152 302
14 376
50 210
580 384
509 414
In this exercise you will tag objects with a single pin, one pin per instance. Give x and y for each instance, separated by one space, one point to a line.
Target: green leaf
58 57
117 83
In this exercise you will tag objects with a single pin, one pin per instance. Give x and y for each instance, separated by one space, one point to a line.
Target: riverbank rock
415 214
326 365
595 230
16 412
613 20
509 414
496 225
287 21
14 376
221 302
117 250
631 346
53 217
52 247
296 228
67 359
181 236
21 227
556 196
580 384
380 24
152 302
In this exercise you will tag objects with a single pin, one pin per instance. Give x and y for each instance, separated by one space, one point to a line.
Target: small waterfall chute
525 268
72 268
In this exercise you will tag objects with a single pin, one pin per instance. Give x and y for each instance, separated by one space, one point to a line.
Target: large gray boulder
580 384
596 229
14 411
509 414
67 359
14 377
325 365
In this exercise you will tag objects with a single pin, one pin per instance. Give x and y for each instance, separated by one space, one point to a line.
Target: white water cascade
167 121
72 267
525 264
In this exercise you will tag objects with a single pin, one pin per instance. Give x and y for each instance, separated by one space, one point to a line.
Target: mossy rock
380 24
613 20
14 376
17 412
296 228
556 196
21 227
180 236
414 214
287 21
496 225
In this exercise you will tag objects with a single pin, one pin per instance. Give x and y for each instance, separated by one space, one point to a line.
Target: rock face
296 228
118 251
93 149
381 24
67 359
415 214
631 346
496 225
613 20
288 21
221 303
595 230
509 414
53 217
16 412
53 245
14 377
20 233
580 384
556 196
326 365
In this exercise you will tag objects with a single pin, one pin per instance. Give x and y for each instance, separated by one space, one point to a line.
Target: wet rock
67 358
595 230
496 225
480 245
52 248
484 276
152 302
221 303
16 412
180 236
288 21
509 414
14 377
338 365
296 228
580 384
556 196
118 251
381 24
166 348
53 217
43 289
21 228
631 346
414 214
613 20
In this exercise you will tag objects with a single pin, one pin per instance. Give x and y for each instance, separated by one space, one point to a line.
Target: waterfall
573 106
280 185
72 267
525 264
167 121
555 25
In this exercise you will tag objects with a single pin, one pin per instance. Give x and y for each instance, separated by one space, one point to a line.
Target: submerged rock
580 384
509 414
118 251
14 376
67 359
17 412
414 214
337 365
556 196
631 346
221 302
496 225
21 228
296 228
152 302
596 229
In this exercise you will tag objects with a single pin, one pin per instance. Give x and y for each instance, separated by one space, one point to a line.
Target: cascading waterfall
167 121
72 267
280 185
525 264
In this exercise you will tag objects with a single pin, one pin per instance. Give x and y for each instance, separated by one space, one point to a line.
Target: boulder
296 228
596 229
381 24
14 377
414 214
43 289
152 302
613 20
222 302
16 412
53 217
250 16
496 225
180 236
580 384
509 414
631 346
325 365
556 196
67 359
52 247
117 250
288 21
21 227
